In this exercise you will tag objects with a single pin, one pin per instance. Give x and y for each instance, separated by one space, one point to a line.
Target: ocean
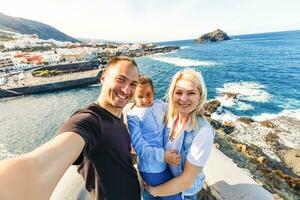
264 69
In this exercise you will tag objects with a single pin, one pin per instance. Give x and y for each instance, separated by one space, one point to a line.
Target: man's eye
133 85
121 80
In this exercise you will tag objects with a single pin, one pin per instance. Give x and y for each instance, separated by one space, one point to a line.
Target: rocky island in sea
214 36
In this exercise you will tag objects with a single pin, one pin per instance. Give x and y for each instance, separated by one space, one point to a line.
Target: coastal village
25 59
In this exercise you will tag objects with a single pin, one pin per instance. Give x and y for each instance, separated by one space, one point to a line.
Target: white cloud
157 20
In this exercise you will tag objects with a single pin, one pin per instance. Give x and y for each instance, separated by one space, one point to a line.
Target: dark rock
226 127
230 95
217 35
272 139
246 120
212 106
267 124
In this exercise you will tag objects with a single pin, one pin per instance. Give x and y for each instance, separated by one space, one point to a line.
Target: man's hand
172 157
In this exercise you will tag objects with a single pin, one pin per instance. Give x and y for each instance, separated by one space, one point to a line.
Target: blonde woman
188 133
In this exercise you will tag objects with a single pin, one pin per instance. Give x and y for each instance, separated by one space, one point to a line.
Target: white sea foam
290 103
231 102
246 91
225 116
185 47
249 91
183 62
244 106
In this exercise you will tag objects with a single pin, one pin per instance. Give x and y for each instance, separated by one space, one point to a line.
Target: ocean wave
185 47
183 62
248 91
290 103
245 92
225 116
230 102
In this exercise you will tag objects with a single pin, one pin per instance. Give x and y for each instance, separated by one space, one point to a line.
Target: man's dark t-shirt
105 162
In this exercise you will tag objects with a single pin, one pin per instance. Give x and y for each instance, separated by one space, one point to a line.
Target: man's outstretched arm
34 175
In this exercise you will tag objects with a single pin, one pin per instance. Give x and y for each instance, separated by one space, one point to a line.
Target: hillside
26 26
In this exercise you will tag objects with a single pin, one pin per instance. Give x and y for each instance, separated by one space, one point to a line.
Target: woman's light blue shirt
194 147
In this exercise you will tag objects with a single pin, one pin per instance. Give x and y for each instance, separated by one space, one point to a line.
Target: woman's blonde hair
196 78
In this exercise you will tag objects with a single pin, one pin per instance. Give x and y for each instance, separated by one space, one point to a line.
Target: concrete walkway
228 182
70 187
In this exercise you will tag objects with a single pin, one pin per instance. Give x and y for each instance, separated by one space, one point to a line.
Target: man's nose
126 89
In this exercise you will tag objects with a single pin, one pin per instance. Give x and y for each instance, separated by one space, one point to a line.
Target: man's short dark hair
115 59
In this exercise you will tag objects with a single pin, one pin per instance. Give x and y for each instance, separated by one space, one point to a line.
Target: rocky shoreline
278 171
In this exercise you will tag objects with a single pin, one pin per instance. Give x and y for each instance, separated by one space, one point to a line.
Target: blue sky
157 20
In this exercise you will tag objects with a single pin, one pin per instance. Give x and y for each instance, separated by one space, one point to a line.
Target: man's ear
102 77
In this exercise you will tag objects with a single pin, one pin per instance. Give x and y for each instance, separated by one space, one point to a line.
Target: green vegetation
46 73
32 49
5 37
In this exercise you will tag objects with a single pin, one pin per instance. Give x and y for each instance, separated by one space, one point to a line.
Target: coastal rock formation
211 106
267 158
274 175
291 157
217 35
267 124
230 95
246 120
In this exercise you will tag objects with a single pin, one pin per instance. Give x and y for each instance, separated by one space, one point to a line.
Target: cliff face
217 35
26 26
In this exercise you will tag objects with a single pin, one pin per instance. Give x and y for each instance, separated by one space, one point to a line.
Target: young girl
145 123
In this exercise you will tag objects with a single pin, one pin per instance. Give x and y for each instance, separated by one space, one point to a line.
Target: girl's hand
172 157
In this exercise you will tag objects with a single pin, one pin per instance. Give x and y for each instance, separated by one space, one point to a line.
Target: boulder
226 127
267 124
217 35
246 120
230 95
291 158
212 106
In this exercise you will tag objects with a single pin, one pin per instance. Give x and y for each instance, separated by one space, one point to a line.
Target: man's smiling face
119 84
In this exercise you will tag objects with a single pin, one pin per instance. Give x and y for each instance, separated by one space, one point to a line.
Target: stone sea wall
47 87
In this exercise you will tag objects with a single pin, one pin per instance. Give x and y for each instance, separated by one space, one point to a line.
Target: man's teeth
121 97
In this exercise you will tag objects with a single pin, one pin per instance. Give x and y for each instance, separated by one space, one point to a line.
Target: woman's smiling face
186 96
